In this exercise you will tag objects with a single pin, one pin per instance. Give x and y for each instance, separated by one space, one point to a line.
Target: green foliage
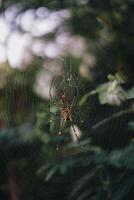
104 169
110 92
99 172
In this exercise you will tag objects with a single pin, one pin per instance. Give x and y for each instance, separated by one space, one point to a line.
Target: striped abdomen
65 112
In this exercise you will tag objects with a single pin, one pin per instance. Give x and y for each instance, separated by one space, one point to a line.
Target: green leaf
130 93
51 173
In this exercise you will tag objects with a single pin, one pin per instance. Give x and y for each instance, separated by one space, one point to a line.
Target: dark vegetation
31 168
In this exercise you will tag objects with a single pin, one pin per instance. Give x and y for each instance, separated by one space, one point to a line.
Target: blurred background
82 49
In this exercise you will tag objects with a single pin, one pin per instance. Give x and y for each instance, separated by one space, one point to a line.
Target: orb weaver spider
65 112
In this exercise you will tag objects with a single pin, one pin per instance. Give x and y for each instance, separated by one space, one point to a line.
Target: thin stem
108 119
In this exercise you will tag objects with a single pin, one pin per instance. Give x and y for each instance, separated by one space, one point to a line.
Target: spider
65 112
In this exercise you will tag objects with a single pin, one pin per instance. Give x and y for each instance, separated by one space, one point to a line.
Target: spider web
106 134
105 124
69 85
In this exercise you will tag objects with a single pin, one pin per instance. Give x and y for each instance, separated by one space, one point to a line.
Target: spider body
65 109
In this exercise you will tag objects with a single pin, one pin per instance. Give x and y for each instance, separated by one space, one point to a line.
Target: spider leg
81 146
52 120
59 134
72 104
56 114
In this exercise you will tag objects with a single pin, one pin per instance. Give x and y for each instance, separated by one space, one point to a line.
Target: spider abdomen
65 112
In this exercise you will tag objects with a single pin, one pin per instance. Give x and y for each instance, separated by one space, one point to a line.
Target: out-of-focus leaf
84 98
5 72
51 173
83 181
15 135
42 169
119 77
131 125
121 190
123 157
130 93
110 92
84 195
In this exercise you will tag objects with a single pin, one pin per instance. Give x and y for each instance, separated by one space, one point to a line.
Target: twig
114 116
